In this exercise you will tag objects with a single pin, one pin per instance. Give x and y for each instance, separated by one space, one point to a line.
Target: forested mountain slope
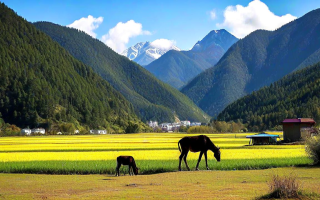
151 98
259 59
178 67
41 83
294 96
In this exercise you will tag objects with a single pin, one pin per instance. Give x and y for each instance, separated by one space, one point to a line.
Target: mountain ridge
151 98
255 61
177 69
296 95
42 84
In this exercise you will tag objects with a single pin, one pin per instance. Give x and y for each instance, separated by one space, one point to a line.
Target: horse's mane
215 148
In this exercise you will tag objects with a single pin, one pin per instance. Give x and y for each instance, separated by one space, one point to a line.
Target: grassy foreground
244 184
153 152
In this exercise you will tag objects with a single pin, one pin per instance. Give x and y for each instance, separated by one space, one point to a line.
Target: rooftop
261 135
299 120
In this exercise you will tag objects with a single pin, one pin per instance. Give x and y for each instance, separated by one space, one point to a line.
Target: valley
84 83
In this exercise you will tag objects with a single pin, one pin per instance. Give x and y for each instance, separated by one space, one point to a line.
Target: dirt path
175 185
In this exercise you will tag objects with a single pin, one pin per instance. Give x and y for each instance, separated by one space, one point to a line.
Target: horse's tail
179 146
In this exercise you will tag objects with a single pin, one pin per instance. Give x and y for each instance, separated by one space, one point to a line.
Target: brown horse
195 144
127 160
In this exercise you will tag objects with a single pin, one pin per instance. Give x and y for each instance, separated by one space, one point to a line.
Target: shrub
313 149
201 129
67 128
284 187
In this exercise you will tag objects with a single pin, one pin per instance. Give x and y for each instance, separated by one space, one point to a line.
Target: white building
99 132
38 130
166 127
175 126
195 124
153 124
185 123
25 131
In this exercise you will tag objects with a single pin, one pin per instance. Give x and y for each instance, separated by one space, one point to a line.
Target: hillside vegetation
295 95
41 84
151 98
258 60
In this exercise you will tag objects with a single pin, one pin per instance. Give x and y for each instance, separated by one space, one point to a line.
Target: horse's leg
205 156
185 160
129 170
199 160
117 169
180 158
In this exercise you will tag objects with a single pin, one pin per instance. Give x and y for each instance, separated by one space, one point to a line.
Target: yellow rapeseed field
146 146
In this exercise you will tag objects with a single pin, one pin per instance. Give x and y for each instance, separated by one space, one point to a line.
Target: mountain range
144 53
151 98
177 68
41 84
53 75
255 61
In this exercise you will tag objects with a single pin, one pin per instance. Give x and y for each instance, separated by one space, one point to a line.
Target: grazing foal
127 160
195 144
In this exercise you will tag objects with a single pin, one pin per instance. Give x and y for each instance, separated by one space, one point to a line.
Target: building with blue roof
262 139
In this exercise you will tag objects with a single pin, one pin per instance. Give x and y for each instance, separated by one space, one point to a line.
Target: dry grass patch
287 187
284 186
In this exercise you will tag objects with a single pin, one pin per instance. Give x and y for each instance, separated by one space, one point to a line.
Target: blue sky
182 22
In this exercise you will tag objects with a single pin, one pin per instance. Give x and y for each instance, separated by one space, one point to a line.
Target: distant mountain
177 68
151 98
259 59
294 96
41 84
144 53
216 38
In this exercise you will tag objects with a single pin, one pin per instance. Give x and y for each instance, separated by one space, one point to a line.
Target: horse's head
217 154
135 171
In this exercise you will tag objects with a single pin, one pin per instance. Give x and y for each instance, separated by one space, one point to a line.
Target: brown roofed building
292 128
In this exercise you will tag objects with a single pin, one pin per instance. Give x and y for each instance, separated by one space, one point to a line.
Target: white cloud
87 25
243 20
213 14
119 36
163 44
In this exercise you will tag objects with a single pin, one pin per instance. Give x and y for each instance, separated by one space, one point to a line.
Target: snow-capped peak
145 52
216 37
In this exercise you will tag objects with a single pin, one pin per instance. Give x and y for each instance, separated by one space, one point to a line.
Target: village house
262 139
25 131
169 127
195 124
166 127
153 124
99 132
38 130
175 126
185 123
292 128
